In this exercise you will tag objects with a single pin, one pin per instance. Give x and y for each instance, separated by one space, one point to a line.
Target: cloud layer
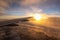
32 2
44 5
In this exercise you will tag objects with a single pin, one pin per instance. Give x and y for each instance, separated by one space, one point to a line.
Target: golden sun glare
37 16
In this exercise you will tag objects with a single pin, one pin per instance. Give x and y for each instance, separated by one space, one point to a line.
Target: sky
24 7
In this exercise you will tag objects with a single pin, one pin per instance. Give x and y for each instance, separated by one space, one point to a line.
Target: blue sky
21 7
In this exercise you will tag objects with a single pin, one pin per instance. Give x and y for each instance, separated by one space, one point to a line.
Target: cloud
3 3
34 11
3 6
30 5
31 2
55 13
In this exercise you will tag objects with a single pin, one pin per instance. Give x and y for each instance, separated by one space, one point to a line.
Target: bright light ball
37 16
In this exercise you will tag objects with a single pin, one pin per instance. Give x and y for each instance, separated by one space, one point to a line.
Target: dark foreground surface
28 31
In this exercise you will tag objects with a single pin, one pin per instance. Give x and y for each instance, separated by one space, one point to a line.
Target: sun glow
37 16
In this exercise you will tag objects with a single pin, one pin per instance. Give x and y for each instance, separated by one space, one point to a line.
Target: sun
37 16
